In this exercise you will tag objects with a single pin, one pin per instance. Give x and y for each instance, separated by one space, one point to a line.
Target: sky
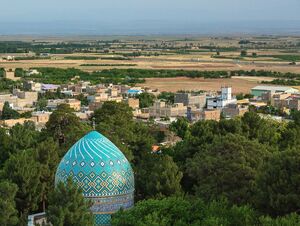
148 16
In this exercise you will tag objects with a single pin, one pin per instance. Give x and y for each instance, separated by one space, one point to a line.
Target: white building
219 102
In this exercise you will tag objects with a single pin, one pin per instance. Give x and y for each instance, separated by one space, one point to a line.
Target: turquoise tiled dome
103 173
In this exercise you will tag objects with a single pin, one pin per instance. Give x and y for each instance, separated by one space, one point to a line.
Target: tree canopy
67 206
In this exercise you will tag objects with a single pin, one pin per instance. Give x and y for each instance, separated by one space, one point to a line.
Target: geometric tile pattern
109 205
102 220
103 173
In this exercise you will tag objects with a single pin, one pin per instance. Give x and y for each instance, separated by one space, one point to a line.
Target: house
113 92
210 114
41 117
33 86
233 110
12 122
133 103
134 92
188 99
286 101
10 74
161 109
19 99
99 97
25 98
50 87
195 114
73 103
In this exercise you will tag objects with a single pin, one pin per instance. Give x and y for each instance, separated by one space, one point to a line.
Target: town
34 101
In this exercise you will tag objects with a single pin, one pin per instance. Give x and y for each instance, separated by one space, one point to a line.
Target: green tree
67 206
227 167
115 120
8 212
83 99
146 100
167 96
8 112
23 170
243 53
266 131
164 173
41 104
288 220
48 157
23 136
200 135
5 146
180 127
290 136
240 96
278 183
64 126
178 211
296 117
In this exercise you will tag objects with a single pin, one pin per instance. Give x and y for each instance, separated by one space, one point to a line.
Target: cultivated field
239 84
178 62
267 53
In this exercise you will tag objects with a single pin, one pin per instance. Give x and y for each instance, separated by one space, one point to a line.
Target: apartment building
73 103
195 114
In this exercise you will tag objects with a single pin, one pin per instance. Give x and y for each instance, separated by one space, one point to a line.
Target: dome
103 173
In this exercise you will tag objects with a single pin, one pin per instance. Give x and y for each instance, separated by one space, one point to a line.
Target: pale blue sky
147 14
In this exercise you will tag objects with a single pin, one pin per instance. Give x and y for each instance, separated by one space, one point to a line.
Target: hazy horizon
138 17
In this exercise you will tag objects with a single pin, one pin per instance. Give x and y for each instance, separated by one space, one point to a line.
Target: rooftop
273 88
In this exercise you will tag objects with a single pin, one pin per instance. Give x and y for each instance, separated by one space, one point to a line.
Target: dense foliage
179 211
146 100
68 207
242 171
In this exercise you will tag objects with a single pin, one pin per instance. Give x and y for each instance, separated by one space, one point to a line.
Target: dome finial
94 123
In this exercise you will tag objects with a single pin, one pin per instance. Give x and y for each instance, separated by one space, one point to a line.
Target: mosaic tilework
112 204
102 220
97 166
103 173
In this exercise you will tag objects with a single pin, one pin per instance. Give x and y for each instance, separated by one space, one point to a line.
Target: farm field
179 63
239 84
98 53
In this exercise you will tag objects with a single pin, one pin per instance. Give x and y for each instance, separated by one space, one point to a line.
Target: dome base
102 220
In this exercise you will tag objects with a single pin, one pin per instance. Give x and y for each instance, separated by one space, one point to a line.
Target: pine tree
8 112
23 170
8 212
67 206
47 156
